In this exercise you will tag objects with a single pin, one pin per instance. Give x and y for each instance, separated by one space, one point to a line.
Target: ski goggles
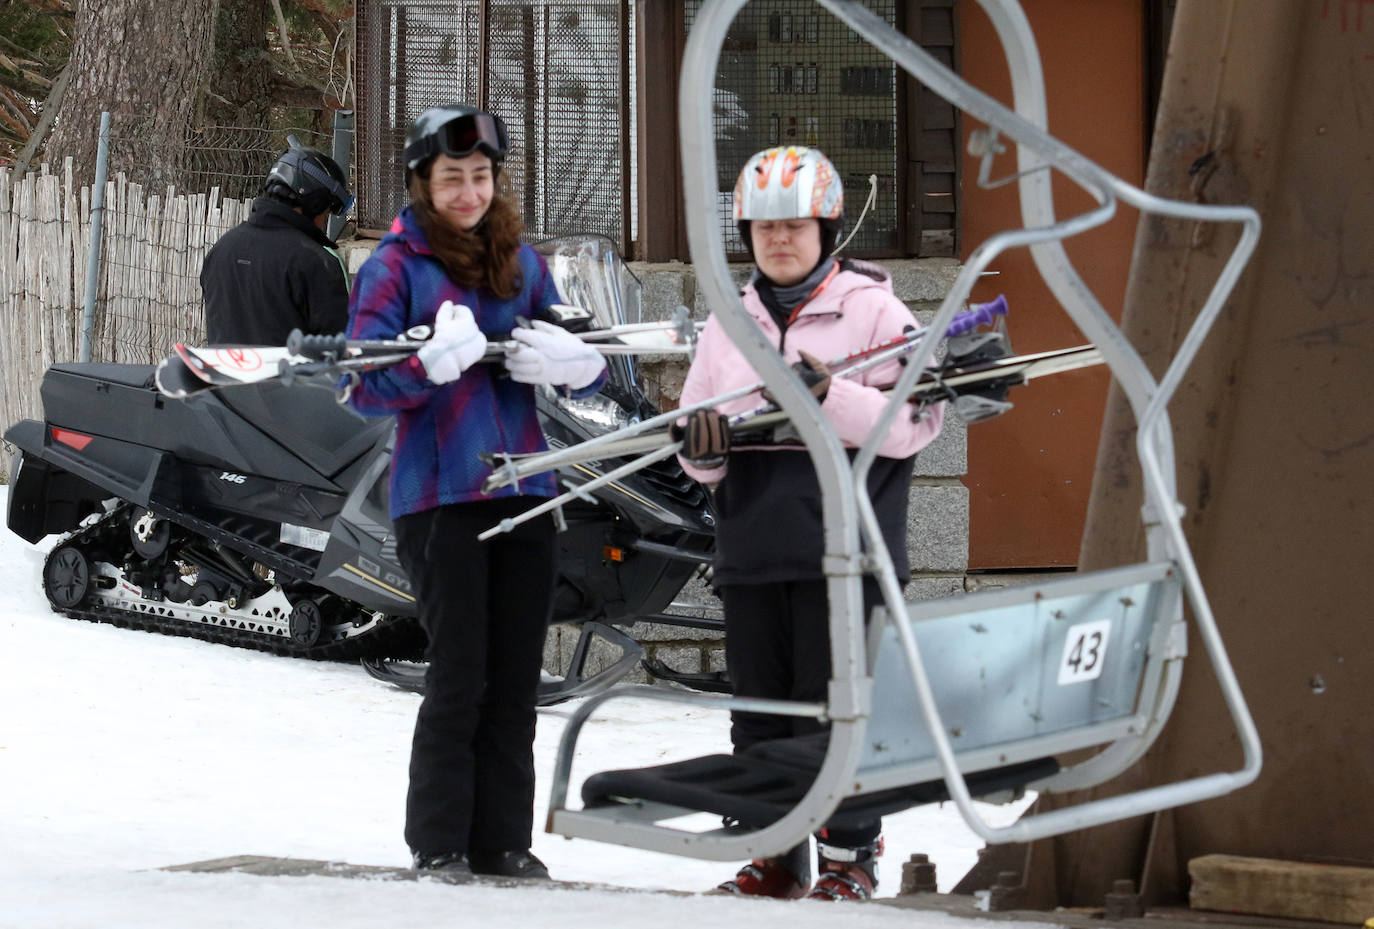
460 137
340 200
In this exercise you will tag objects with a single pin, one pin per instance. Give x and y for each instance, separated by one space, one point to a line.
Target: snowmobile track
391 638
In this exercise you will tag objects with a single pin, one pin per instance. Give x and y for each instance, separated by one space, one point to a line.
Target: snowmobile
257 516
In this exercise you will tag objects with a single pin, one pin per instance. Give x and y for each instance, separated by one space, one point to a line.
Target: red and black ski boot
786 877
846 873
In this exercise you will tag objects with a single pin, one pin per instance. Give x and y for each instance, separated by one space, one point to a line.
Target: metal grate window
557 71
792 74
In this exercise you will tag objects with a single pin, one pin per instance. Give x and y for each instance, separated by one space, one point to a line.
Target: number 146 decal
1085 651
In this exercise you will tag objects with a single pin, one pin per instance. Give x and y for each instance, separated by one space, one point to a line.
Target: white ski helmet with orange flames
789 183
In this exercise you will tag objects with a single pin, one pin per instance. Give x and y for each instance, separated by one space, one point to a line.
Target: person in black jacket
277 270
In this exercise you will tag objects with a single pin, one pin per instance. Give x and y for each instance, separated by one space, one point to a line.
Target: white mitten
457 344
547 354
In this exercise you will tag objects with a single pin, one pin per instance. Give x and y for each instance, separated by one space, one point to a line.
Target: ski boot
846 873
785 877
508 864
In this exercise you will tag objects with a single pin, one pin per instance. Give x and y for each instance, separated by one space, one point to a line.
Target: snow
123 752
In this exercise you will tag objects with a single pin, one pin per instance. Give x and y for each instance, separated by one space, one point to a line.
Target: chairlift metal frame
858 725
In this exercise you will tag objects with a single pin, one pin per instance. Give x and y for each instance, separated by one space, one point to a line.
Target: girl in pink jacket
789 204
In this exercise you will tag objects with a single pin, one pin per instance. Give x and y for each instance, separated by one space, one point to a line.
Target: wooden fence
148 296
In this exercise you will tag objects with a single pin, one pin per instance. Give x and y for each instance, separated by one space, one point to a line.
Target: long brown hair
481 257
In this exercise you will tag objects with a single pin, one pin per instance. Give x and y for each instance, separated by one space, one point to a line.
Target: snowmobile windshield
588 272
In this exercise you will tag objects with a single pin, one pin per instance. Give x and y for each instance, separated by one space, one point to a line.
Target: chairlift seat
760 785
1021 675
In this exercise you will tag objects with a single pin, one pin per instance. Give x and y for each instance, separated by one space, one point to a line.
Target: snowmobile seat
308 419
126 375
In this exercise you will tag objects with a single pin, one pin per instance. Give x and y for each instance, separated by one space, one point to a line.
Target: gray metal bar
582 491
102 167
345 124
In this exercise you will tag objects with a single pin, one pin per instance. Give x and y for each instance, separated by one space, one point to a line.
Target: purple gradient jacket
441 429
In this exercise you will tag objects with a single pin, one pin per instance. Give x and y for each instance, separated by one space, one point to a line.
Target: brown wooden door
1030 471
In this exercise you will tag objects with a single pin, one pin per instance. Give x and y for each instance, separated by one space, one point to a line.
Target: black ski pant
777 645
485 608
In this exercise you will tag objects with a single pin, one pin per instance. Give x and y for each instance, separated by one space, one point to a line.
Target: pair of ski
657 438
192 370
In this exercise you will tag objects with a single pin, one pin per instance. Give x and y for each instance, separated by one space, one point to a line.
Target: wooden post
662 231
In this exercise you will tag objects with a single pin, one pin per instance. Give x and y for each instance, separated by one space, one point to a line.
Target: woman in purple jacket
769 537
453 260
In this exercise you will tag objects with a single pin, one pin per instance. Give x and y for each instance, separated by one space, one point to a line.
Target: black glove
814 374
705 439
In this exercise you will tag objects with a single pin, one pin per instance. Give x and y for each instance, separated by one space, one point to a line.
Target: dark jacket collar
269 213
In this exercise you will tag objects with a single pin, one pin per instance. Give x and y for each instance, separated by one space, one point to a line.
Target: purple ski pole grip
982 313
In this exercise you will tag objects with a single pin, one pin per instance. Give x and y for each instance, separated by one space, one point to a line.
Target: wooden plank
1288 889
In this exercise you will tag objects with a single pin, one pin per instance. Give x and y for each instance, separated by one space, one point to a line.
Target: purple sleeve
379 308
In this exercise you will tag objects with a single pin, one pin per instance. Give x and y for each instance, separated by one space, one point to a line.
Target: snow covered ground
123 752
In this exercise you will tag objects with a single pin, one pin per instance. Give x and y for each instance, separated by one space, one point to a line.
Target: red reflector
75 439
610 553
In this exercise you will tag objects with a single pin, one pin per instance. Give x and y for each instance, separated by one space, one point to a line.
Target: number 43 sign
1085 651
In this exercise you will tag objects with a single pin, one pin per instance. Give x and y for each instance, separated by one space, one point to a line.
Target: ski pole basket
977 695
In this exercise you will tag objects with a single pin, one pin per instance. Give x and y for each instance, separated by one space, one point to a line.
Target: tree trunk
239 72
237 103
143 61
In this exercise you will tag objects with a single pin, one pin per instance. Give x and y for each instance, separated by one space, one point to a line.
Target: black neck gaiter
781 301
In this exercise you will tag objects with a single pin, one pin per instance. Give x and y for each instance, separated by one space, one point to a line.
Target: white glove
457 344
548 354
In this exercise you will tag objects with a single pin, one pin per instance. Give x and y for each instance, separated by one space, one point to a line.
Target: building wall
1030 471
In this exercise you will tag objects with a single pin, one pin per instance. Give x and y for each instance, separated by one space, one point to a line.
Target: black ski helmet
456 130
309 179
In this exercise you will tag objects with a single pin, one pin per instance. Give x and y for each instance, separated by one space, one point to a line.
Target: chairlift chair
975 695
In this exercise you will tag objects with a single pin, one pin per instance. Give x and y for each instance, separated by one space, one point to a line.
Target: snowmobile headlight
598 413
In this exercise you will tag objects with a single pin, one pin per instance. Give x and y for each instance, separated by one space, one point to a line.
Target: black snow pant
777 645
485 607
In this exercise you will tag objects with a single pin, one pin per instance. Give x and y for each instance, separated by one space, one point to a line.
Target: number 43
1085 651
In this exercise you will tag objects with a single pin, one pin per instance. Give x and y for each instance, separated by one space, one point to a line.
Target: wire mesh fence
792 74
559 72
231 159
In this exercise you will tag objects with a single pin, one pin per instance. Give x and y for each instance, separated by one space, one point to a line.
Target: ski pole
510 468
582 491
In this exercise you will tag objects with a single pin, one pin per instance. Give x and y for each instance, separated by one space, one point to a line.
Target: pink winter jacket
855 310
